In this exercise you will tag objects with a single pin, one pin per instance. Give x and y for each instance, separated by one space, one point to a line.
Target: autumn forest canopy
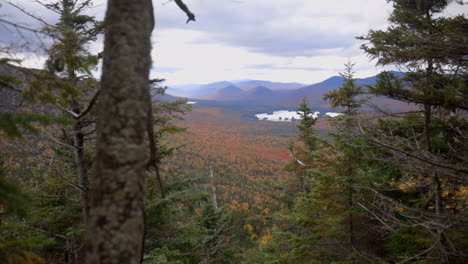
101 163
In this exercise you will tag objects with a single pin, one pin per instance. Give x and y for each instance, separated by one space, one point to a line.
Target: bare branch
23 10
190 15
293 155
376 217
18 26
90 105
53 139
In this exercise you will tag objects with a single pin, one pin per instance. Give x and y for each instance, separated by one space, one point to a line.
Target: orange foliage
247 157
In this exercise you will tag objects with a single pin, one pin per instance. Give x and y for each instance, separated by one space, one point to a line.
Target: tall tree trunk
350 205
82 172
83 181
116 224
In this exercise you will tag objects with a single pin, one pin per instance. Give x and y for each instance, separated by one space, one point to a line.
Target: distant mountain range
201 91
253 94
285 94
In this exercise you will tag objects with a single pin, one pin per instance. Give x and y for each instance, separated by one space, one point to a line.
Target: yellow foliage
409 184
265 238
400 208
462 193
249 228
24 257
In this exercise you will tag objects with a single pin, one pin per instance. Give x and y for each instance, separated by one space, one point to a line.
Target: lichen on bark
116 224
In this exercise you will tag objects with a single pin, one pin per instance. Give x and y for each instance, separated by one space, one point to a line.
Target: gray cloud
263 27
282 67
22 40
166 69
279 28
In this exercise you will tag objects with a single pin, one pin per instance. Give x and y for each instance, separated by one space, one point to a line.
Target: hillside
247 157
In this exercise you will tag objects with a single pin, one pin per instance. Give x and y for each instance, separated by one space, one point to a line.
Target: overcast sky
277 40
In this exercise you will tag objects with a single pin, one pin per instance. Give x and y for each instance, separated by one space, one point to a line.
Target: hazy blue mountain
251 84
262 95
259 91
324 86
227 93
182 90
316 91
207 89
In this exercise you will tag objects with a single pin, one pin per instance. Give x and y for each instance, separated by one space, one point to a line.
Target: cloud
282 67
166 69
11 36
280 27
278 40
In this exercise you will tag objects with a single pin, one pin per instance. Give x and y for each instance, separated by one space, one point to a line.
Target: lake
287 116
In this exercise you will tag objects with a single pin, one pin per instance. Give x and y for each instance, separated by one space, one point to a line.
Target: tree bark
116 224
82 172
83 181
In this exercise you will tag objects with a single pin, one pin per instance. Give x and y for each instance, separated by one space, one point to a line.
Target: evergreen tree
309 227
68 75
66 91
304 153
424 147
347 97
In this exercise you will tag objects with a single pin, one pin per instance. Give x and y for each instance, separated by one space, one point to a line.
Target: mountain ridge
263 95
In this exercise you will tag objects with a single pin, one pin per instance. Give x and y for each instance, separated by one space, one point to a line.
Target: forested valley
112 169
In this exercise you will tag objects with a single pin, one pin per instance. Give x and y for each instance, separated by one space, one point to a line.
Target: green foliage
407 242
306 130
13 201
184 227
347 95
309 228
56 211
19 245
66 83
12 198
413 146
16 124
